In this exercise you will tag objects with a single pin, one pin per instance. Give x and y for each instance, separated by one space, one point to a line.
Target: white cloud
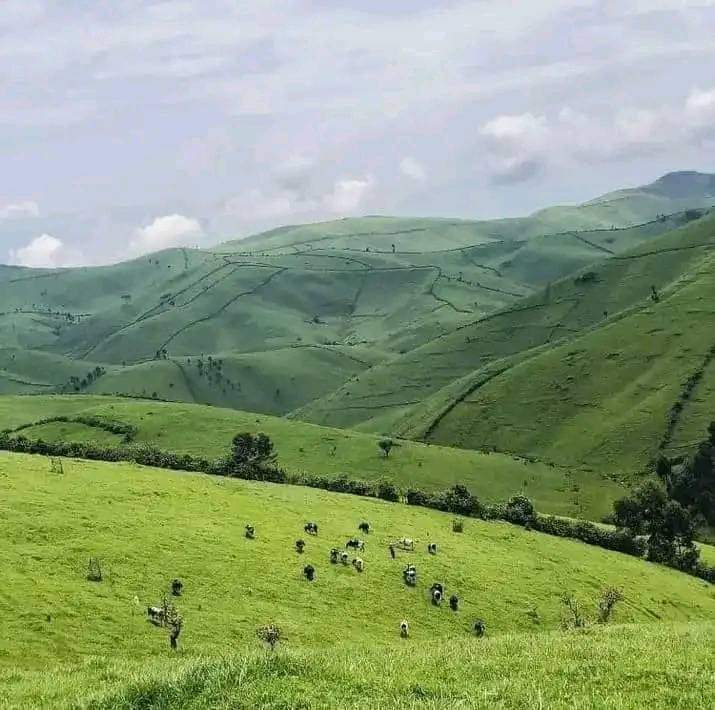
19 210
164 232
44 251
518 146
700 111
413 169
347 195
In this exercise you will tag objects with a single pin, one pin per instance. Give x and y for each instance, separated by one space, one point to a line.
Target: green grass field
624 667
149 526
207 431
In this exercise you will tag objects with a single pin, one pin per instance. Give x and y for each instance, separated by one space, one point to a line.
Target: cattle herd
409 574
157 615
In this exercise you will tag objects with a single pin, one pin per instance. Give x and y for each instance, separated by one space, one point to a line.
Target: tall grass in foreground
663 666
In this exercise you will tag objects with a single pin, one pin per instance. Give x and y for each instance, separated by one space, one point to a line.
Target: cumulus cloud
517 145
164 232
44 251
347 195
413 169
19 210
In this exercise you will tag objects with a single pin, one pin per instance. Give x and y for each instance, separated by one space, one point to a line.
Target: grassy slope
191 526
305 447
602 400
624 667
404 395
258 300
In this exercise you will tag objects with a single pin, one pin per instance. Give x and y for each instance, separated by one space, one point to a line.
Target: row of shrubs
519 510
127 431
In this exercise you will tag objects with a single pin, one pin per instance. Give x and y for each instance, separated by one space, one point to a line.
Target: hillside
207 431
191 527
586 354
291 315
627 667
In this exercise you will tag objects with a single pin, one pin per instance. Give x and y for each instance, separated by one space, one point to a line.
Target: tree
386 446
252 451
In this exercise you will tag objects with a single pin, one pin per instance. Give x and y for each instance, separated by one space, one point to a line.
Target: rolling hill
583 373
289 316
191 527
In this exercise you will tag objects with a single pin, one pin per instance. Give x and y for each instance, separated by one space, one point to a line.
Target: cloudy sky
136 125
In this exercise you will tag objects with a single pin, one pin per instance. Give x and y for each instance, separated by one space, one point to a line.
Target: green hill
191 527
207 431
583 373
295 313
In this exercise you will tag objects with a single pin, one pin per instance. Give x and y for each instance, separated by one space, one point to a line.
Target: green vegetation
306 448
627 667
191 528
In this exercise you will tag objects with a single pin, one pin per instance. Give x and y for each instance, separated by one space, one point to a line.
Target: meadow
149 526
207 431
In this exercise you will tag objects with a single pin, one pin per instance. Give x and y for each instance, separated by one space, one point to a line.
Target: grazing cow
410 575
436 597
334 553
250 532
392 551
311 528
344 558
364 527
156 615
479 628
404 629
355 544
406 543
432 548
177 587
358 564
454 602
309 572
299 546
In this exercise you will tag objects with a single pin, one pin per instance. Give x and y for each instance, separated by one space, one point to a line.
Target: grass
301 447
622 667
149 526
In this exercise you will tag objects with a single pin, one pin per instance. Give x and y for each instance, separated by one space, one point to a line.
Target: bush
609 598
520 510
387 490
457 525
270 634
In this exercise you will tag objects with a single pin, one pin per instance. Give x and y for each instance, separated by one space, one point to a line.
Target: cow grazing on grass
410 575
432 548
437 592
358 564
406 543
404 629
364 527
299 546
156 615
311 528
334 554
355 544
309 572
479 628
250 532
454 602
344 558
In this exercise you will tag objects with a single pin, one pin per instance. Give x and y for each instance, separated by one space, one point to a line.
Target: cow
156 615
334 553
355 544
406 543
410 575
344 558
404 629
311 528
432 548
454 602
309 572
299 546
250 532
358 564
364 527
177 587
437 592
479 628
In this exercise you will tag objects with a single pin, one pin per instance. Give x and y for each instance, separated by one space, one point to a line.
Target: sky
134 126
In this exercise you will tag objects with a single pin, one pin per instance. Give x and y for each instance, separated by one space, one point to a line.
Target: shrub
270 634
572 617
94 570
520 510
610 596
457 525
387 490
386 446
415 496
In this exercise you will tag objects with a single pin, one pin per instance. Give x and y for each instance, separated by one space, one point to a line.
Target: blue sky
127 127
